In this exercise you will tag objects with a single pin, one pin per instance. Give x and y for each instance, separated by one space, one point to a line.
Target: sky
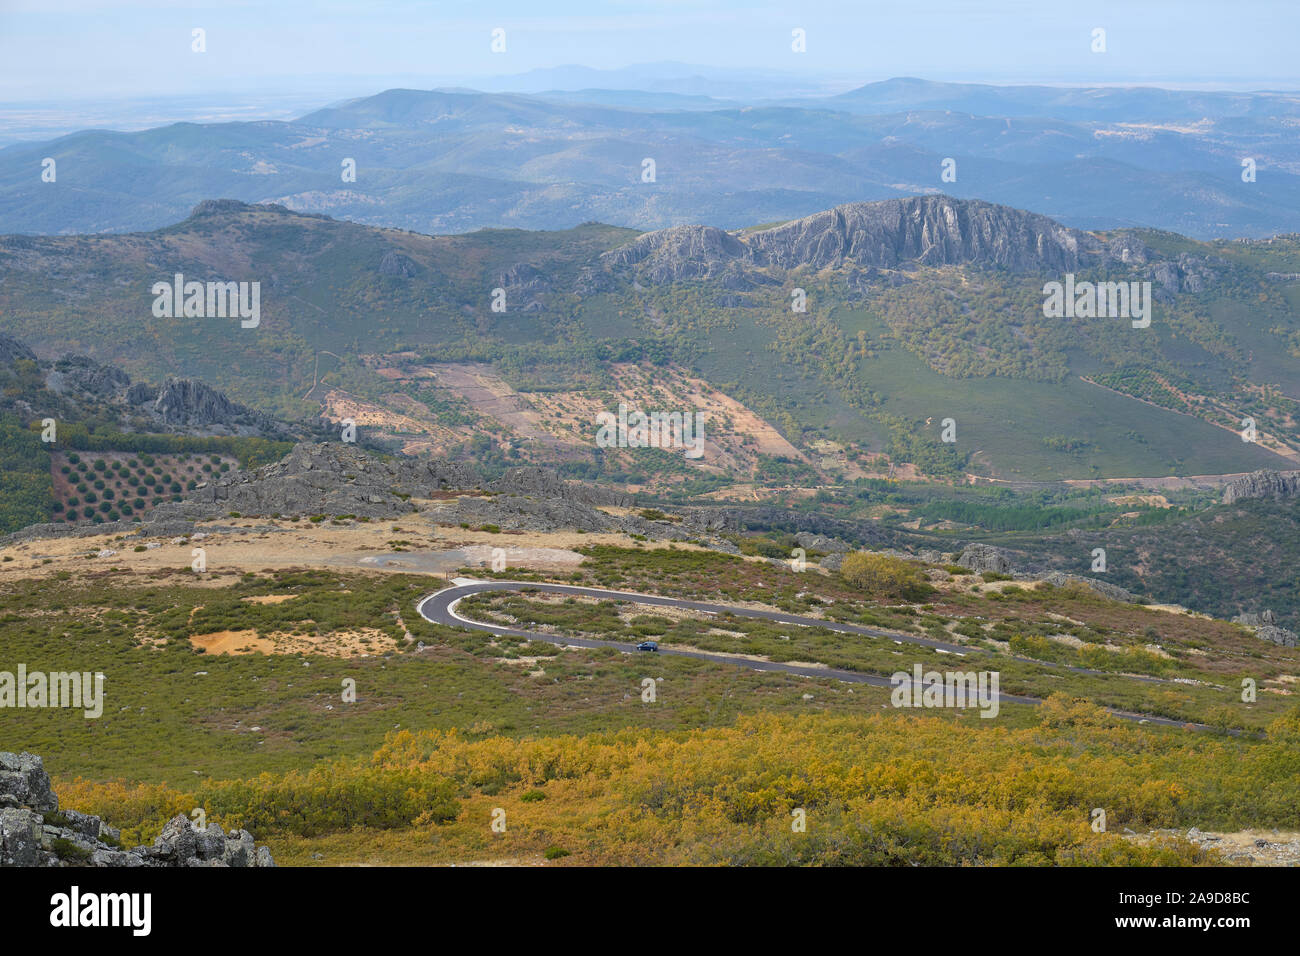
87 50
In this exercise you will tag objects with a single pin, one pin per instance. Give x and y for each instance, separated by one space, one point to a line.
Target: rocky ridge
186 403
1263 484
77 386
337 479
891 234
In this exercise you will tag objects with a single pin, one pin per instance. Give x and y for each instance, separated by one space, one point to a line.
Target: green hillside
867 365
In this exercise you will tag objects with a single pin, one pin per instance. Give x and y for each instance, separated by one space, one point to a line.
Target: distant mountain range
456 160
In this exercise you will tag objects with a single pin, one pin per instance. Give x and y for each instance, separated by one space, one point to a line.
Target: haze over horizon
294 96
60 48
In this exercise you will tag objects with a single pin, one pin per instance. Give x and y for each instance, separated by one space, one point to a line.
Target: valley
234 671
893 473
887 345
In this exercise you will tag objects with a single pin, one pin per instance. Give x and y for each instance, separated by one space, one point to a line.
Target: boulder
178 841
983 557
23 777
20 837
1251 619
821 542
1104 588
1278 635
211 843
396 264
240 849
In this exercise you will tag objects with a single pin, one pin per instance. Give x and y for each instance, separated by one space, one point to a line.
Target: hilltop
915 311
458 160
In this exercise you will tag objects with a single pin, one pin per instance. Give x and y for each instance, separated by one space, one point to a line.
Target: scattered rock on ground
34 832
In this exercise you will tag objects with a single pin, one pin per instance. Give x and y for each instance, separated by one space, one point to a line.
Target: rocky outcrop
549 513
983 557
77 373
524 281
1250 619
537 500
222 208
1263 484
1187 273
335 479
24 782
34 832
1104 588
322 478
545 483
682 252
78 388
1266 628
182 401
524 513
821 542
193 407
11 350
1281 636
925 230
396 264
893 234
1238 851
833 561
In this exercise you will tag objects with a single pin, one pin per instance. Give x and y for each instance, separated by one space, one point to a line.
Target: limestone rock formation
926 230
892 234
681 252
183 401
1263 484
77 373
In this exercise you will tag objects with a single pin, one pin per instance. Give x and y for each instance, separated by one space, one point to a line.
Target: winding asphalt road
440 608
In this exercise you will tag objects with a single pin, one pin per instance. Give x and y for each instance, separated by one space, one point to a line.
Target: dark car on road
648 646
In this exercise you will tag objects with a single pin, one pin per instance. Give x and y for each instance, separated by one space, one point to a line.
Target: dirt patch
361 642
357 643
523 557
339 405
232 642
262 545
489 394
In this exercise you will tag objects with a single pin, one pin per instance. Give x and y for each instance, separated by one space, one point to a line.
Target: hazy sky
59 49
